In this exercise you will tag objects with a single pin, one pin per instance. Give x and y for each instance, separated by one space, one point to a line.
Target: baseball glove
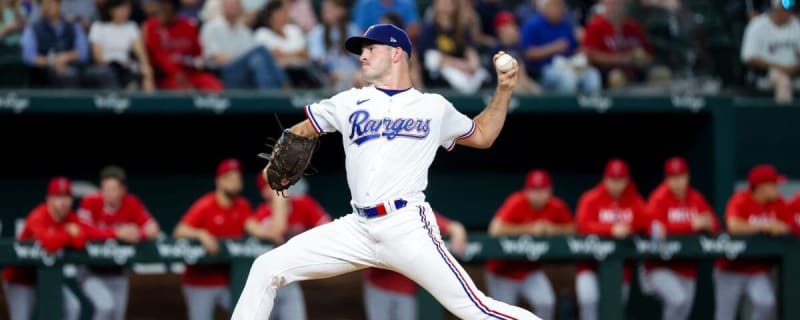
289 160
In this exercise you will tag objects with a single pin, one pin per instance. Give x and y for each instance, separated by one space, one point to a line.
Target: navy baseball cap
387 34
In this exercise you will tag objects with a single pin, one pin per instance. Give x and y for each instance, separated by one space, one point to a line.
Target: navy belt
381 209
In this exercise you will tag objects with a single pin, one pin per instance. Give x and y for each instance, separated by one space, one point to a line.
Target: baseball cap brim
355 45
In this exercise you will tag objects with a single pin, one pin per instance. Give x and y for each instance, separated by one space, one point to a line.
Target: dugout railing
609 254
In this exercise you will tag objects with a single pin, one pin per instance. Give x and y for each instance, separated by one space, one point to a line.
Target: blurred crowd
565 46
614 208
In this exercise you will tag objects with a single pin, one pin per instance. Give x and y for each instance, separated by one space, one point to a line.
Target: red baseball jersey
224 223
93 211
676 216
794 214
52 235
304 213
598 212
742 205
602 36
518 210
393 281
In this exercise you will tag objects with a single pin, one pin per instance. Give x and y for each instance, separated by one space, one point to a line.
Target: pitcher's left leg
422 256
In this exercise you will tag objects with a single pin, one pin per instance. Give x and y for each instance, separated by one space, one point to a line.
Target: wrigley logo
525 245
664 249
16 104
599 103
113 102
600 249
181 249
692 103
215 104
250 248
35 252
723 244
111 250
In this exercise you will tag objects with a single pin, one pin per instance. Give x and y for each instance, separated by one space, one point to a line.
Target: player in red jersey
613 208
534 211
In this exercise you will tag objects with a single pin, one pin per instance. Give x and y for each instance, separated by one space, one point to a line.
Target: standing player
218 214
112 207
533 211
758 210
389 295
55 226
390 133
682 210
303 213
613 208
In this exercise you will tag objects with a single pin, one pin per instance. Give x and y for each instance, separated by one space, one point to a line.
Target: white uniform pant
21 300
676 292
108 294
387 305
535 288
730 286
588 293
201 300
406 241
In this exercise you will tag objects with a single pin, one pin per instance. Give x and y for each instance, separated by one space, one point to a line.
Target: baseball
504 62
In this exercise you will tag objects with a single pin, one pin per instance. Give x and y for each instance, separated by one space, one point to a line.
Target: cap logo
392 39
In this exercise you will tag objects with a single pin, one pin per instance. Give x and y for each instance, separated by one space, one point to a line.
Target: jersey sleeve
141 215
323 115
734 208
195 217
508 211
560 214
752 43
455 126
51 239
85 212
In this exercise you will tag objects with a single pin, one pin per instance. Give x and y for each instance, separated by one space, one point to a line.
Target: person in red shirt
794 214
173 45
614 208
54 226
304 213
678 209
113 207
221 214
757 210
390 295
536 212
617 45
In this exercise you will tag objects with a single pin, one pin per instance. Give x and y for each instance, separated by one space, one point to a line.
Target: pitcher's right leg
335 248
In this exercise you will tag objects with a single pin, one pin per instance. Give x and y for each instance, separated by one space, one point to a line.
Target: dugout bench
610 255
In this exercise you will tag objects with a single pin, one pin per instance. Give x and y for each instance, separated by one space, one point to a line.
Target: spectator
220 214
533 211
116 211
679 210
758 210
115 38
230 45
447 52
54 226
174 47
58 52
304 214
794 214
326 45
212 9
287 43
613 208
616 44
12 22
508 38
390 295
302 14
770 49
369 12
552 52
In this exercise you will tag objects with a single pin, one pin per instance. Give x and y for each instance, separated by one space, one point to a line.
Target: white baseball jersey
775 44
389 141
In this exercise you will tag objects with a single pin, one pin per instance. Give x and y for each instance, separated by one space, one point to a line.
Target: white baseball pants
21 300
588 294
406 241
676 292
535 288
730 286
108 294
